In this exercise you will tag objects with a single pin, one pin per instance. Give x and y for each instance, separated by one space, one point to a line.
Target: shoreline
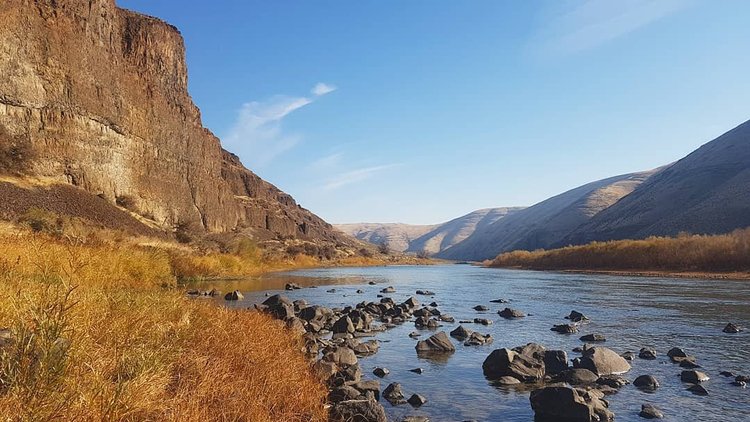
739 276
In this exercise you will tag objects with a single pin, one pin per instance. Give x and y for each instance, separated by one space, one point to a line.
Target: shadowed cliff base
715 256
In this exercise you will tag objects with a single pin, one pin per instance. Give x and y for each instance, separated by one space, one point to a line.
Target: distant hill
707 192
448 234
546 223
396 235
430 238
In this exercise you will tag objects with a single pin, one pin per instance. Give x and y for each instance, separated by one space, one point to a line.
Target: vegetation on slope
684 253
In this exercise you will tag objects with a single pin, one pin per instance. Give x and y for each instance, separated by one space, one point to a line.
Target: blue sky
419 111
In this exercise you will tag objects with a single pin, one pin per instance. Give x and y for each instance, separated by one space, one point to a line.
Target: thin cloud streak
589 24
355 176
327 162
258 129
322 89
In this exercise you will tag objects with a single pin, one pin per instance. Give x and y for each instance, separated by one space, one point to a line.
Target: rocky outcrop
96 96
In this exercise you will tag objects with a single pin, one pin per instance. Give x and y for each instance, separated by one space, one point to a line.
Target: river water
631 312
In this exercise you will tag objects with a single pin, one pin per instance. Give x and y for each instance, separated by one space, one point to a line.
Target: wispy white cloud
327 162
322 89
258 129
354 176
582 25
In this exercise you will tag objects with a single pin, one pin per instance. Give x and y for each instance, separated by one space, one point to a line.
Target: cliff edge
96 96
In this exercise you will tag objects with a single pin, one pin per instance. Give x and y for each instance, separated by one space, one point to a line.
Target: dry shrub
94 338
717 253
250 354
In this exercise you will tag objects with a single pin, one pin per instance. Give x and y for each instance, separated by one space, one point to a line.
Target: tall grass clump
684 253
97 332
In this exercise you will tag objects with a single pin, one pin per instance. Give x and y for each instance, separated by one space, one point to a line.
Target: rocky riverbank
560 388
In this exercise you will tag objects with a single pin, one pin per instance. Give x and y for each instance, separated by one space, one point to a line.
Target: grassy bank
95 330
687 254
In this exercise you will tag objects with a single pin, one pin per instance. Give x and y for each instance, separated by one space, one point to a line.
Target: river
631 312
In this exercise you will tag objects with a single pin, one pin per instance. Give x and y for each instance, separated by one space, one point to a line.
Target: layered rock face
96 96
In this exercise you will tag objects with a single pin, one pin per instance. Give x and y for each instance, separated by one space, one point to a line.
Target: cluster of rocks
470 337
576 391
335 339
566 392
563 389
203 293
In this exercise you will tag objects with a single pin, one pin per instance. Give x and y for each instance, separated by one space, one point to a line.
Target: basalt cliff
95 97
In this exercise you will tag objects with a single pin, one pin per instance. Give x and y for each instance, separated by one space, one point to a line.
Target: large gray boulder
602 361
509 313
393 394
565 404
555 361
437 343
343 325
506 362
578 376
358 411
341 356
461 333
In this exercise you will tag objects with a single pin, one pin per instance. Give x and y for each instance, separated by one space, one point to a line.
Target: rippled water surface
631 312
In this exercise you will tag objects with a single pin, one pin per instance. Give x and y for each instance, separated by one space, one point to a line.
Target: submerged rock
612 381
693 377
576 316
235 295
646 383
381 372
647 353
477 339
417 400
698 390
499 301
649 411
393 394
732 329
593 338
578 376
565 404
565 328
509 313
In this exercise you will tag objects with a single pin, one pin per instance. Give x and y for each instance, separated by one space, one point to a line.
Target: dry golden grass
685 253
98 334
